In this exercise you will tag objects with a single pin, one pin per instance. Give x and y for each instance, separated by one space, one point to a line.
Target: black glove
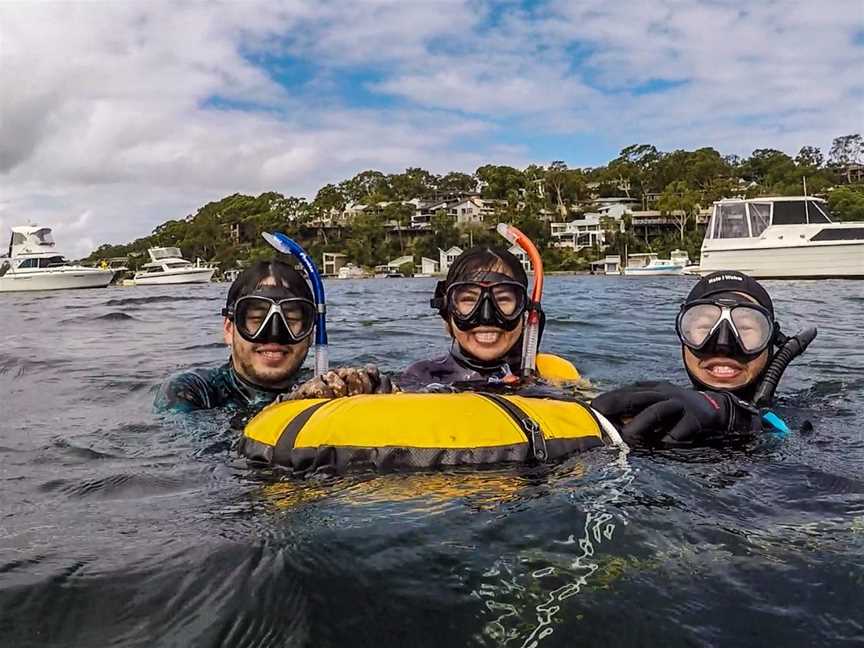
652 413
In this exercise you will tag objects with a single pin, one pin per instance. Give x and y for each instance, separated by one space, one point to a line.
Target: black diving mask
471 304
268 318
725 327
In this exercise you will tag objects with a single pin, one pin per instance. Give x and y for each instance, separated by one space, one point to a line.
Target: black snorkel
790 348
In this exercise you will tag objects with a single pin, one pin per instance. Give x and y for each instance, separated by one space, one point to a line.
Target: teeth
723 370
486 337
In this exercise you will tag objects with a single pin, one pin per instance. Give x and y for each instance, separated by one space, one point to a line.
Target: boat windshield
165 253
760 217
730 221
178 264
44 236
52 262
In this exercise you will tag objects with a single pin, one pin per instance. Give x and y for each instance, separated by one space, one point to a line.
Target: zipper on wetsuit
530 428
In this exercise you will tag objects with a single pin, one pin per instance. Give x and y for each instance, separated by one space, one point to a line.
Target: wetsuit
455 367
214 387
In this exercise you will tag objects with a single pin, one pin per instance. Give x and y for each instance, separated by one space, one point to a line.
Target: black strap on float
530 427
285 443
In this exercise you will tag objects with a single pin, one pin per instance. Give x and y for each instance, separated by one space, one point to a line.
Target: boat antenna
531 339
286 245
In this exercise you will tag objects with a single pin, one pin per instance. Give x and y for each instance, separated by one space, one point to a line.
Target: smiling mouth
723 368
486 337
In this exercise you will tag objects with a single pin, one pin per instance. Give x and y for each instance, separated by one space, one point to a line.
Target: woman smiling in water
483 302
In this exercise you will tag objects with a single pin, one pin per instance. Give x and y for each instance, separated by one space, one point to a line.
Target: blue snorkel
285 245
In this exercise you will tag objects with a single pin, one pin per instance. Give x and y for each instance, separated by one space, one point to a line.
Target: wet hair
284 275
730 281
474 264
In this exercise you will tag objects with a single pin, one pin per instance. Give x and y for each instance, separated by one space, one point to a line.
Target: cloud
133 113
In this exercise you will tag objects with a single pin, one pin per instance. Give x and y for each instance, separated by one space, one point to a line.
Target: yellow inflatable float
399 431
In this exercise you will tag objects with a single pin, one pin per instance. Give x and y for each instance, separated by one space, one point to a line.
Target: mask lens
464 298
508 298
299 316
754 328
251 313
697 322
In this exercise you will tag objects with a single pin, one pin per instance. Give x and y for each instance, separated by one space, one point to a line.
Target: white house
427 266
447 257
333 262
520 254
579 233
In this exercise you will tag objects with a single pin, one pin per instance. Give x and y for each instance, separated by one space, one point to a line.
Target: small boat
34 264
658 267
351 271
782 238
167 266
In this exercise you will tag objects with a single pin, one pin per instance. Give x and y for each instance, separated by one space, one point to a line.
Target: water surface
122 528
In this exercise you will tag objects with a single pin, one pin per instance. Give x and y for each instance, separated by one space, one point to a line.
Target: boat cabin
750 218
29 239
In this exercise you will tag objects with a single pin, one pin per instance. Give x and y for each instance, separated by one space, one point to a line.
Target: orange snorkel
531 337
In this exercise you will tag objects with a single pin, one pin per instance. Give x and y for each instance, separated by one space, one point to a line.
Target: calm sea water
122 528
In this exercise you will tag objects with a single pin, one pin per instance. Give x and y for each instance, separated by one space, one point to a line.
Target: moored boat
34 264
782 238
168 267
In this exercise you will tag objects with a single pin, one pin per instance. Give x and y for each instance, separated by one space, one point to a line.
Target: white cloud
106 108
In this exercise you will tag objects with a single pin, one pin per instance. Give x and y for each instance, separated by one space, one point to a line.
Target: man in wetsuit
269 318
728 337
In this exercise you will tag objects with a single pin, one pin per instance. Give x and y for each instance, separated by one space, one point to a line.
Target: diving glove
652 413
345 381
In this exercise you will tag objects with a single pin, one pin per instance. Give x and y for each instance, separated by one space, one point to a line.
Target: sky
118 116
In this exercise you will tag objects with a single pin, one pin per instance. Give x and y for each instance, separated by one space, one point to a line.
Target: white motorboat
782 238
658 267
351 271
34 264
167 266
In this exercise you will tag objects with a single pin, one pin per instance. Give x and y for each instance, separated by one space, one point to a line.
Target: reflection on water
119 527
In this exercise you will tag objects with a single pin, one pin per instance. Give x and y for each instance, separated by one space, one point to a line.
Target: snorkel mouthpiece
286 245
531 337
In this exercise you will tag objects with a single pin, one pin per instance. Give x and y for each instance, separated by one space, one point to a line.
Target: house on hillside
447 257
579 233
520 254
427 266
332 262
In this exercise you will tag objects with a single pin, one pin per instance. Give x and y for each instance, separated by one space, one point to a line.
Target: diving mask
725 327
265 317
471 304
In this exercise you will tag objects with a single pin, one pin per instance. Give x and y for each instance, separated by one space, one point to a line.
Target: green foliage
847 203
228 231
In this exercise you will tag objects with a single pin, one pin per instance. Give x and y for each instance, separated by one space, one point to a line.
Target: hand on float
662 413
345 381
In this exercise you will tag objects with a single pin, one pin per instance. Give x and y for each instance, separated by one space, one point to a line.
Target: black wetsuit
214 387
455 368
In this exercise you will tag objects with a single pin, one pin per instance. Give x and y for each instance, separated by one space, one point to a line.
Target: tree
364 185
680 202
414 183
847 203
845 152
328 198
809 156
500 180
455 182
557 178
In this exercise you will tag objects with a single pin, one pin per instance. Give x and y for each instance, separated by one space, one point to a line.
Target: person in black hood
728 339
728 333
483 302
